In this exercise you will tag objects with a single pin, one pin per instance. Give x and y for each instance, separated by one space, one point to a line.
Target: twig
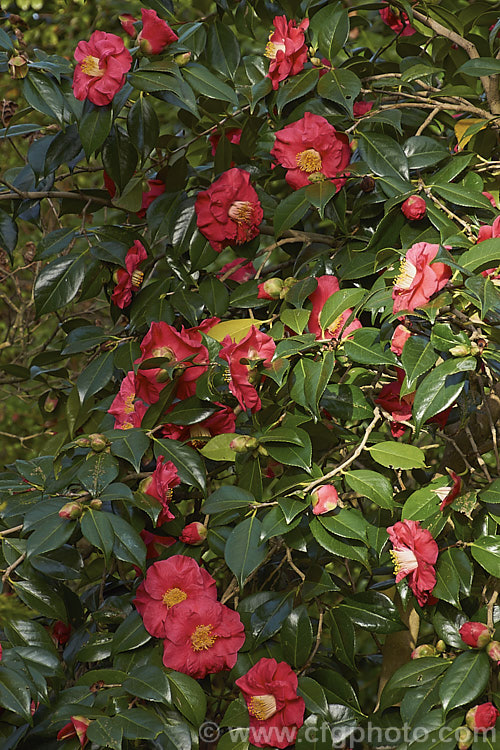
39 194
13 566
10 531
490 420
293 566
316 645
479 457
300 236
489 608
427 120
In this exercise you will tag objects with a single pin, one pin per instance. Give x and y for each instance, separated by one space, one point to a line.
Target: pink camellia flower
220 423
229 212
286 49
397 20
127 21
166 585
155 34
203 637
181 348
61 632
244 270
311 150
327 287
243 359
490 198
324 499
361 108
493 651
130 279
448 494
160 485
482 717
414 554
102 63
399 339
155 189
414 207
418 279
488 232
76 727
475 634
233 135
126 409
276 711
194 533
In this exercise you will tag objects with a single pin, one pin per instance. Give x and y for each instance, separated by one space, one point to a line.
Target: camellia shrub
250 260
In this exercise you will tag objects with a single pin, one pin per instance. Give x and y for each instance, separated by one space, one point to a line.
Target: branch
39 194
300 236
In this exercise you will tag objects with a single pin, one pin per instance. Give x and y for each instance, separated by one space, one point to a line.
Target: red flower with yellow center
243 358
129 278
102 63
126 409
414 554
419 279
286 49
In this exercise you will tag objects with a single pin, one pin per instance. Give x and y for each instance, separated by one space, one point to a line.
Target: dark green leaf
97 529
188 463
119 157
188 697
297 637
207 84
341 86
58 283
454 575
486 551
95 375
465 680
373 485
244 552
373 611
8 234
132 446
290 211
143 126
296 87
151 684
384 155
131 634
436 393
343 637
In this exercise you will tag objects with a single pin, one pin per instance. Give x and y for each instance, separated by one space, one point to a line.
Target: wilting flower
126 409
414 554
203 637
475 634
160 485
156 34
233 135
229 211
194 533
276 711
131 278
399 339
166 585
102 63
76 727
397 20
414 207
448 494
219 423
361 108
418 279
324 499
482 717
286 49
61 632
244 270
311 150
243 359
327 287
155 188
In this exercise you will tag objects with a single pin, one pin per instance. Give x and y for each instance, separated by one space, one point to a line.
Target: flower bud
270 289
194 533
426 649
288 283
98 442
182 59
163 376
262 451
145 484
367 184
18 66
493 651
414 207
244 444
96 503
465 738
61 632
50 404
324 499
461 350
475 634
71 511
481 717
441 647
82 442
316 62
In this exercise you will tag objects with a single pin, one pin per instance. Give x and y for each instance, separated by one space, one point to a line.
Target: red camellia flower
418 279
203 637
244 271
220 423
155 188
229 212
482 717
160 486
276 711
414 207
233 135
61 632
194 533
154 545
286 49
127 21
491 198
243 358
166 585
102 63
76 727
327 287
400 408
488 232
399 339
311 150
324 499
397 20
131 278
361 108
126 409
156 34
414 554
182 349
448 494
475 634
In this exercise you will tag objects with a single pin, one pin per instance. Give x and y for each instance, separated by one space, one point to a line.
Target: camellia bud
482 717
83 442
316 62
461 350
271 289
96 503
145 484
182 59
426 649
414 207
493 651
324 499
465 738
441 647
18 66
194 533
98 442
367 184
71 511
475 634
50 404
288 283
244 444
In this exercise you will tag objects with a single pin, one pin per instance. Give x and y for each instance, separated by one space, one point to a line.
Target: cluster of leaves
315 591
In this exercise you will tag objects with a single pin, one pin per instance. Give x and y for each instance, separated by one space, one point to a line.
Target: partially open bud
244 444
270 289
475 634
98 442
194 533
96 503
182 59
324 499
71 511
493 651
426 649
441 647
18 66
414 207
482 717
465 738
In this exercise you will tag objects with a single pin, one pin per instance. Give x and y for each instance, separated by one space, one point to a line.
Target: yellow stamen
272 48
309 161
129 403
173 596
127 426
335 327
202 638
227 375
90 66
168 495
262 706
241 212
403 560
137 279
407 273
